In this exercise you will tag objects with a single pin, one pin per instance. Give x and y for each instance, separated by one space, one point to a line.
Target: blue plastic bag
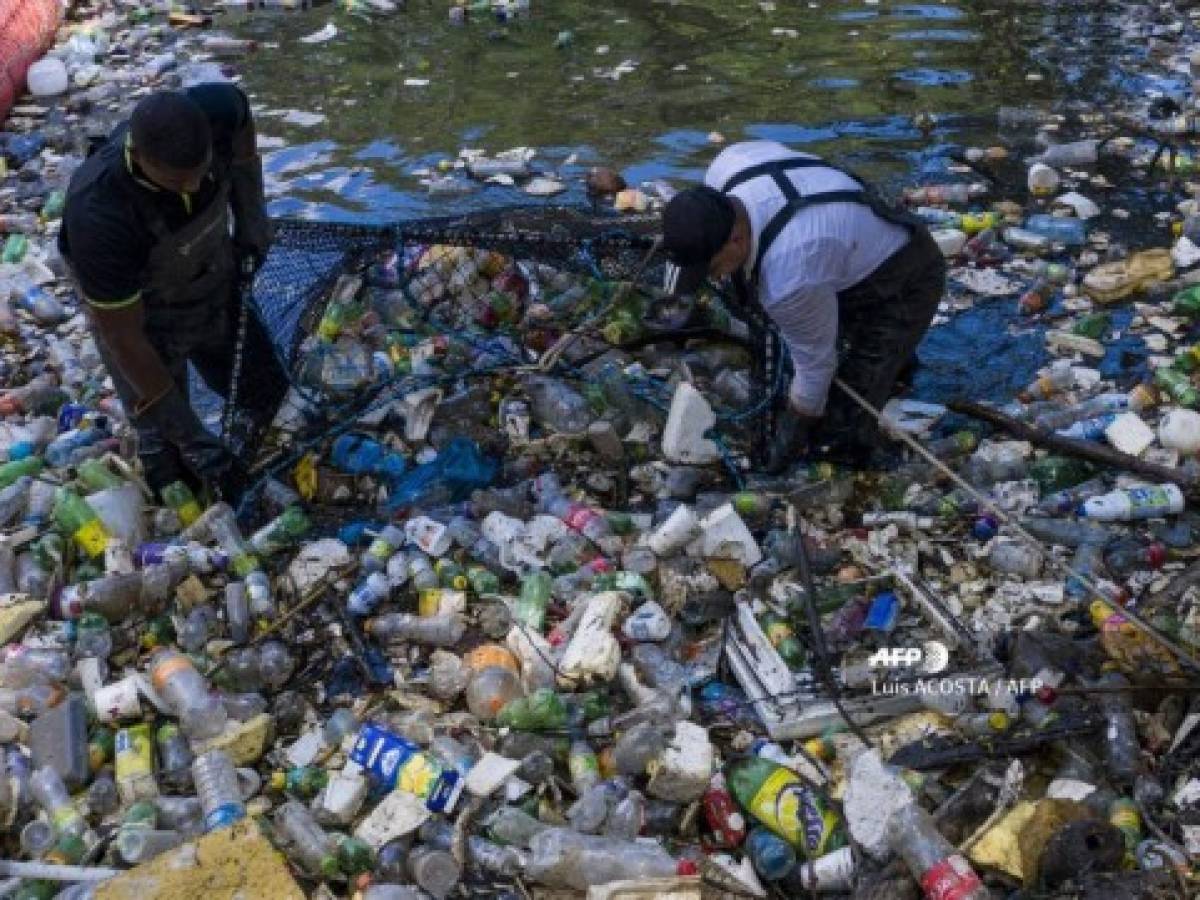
458 470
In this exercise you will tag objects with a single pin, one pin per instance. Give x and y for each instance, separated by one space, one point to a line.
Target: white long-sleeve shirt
824 249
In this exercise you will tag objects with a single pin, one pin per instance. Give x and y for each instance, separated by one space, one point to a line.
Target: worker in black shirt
146 233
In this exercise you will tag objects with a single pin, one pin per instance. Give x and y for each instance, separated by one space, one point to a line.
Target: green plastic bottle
548 710
535 597
95 475
179 497
1093 326
1176 385
779 632
52 209
776 797
75 518
281 533
483 580
354 856
15 248
1057 473
1187 302
304 781
18 468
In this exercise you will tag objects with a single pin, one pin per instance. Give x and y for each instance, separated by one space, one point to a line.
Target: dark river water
351 125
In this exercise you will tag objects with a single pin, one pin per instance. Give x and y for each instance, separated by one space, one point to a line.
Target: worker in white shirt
833 266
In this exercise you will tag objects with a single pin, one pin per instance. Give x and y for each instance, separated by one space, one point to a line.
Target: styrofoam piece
305 749
47 77
593 653
1179 430
725 536
873 792
1129 434
949 240
343 796
418 409
399 814
910 416
682 771
679 530
1185 254
689 420
487 775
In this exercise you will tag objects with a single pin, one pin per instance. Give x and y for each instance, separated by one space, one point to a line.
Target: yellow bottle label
92 537
794 812
134 753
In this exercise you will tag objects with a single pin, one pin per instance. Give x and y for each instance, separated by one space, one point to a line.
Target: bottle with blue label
1147 502
402 766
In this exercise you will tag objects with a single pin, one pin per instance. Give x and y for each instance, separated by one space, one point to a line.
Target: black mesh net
427 300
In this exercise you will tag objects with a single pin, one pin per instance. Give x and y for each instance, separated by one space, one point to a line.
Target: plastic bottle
51 795
372 591
1074 153
1067 500
726 823
1122 750
589 522
535 597
281 533
1084 565
777 798
435 631
76 518
1149 502
1176 385
382 547
138 845
216 784
934 194
186 691
174 755
495 680
564 858
771 856
435 871
1186 303
1131 555
939 868
219 523
556 406
30 397
306 841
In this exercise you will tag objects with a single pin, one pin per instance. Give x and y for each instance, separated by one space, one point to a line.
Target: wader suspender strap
795 201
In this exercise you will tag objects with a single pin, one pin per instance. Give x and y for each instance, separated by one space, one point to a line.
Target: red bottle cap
686 867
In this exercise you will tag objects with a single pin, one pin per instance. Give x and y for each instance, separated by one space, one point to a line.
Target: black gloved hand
201 451
788 442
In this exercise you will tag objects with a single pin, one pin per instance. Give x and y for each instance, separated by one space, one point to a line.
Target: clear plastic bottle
22 665
435 631
216 784
564 858
557 407
627 817
1075 153
495 680
512 825
382 547
936 864
260 596
370 593
174 755
138 845
306 841
1010 557
50 793
276 664
1122 751
237 612
434 871
187 692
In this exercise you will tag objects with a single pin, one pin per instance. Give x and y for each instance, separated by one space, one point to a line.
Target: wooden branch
1088 450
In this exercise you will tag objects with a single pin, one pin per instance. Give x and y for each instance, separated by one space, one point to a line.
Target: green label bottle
776 797
80 521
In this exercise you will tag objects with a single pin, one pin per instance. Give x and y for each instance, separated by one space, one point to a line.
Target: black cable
824 669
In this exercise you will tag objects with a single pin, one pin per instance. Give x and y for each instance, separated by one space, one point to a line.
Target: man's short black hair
170 129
